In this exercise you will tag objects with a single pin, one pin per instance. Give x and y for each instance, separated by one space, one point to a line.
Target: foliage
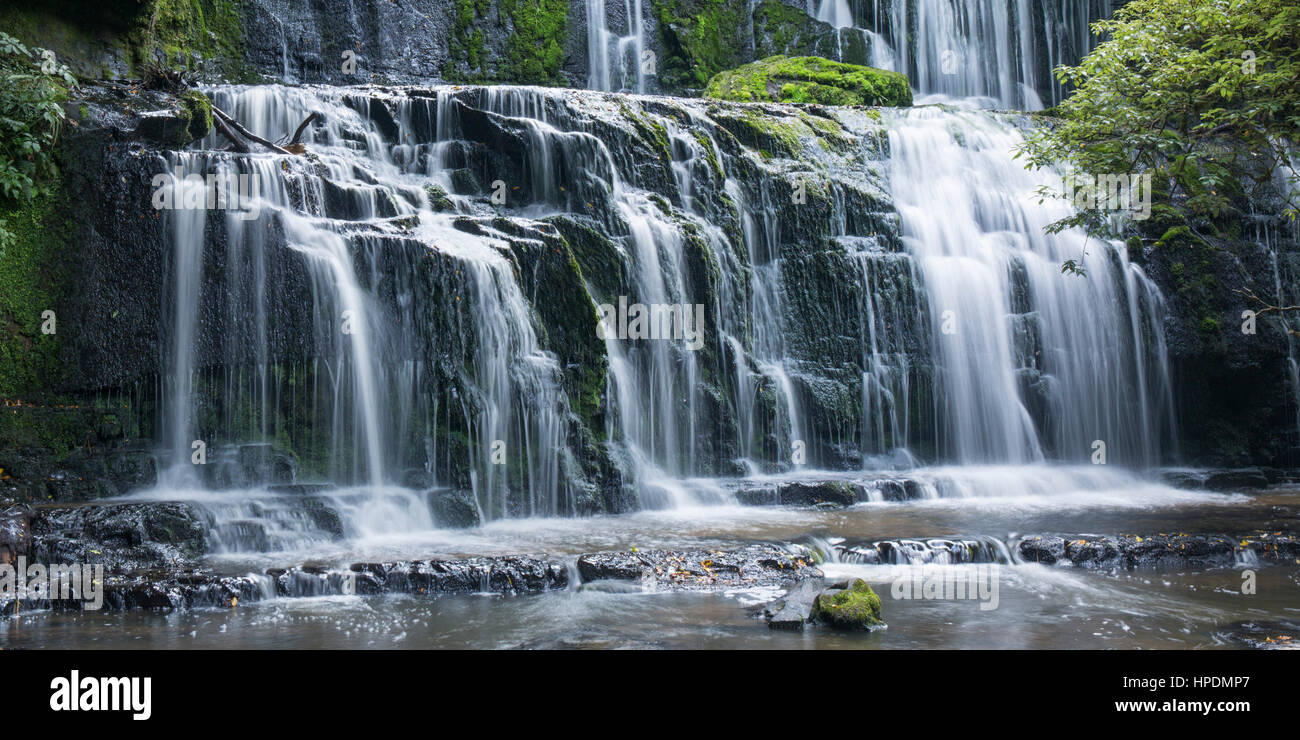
1204 95
31 117
810 80
534 51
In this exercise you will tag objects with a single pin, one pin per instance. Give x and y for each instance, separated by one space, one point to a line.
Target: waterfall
616 62
1032 361
187 233
1001 52
356 210
380 320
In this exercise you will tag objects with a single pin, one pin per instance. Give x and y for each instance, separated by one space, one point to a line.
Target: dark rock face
829 493
904 551
1159 550
836 493
123 537
455 509
757 565
1234 399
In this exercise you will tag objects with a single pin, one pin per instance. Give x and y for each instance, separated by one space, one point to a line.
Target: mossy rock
781 79
854 608
438 199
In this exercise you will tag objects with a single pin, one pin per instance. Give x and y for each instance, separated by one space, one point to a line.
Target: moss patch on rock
30 272
854 608
781 79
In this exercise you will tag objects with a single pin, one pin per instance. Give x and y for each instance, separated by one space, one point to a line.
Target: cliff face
668 46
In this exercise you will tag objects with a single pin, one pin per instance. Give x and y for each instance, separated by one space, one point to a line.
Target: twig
1269 308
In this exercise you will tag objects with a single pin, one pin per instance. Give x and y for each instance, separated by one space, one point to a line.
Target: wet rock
1266 635
302 489
1135 551
178 590
507 575
1042 549
123 537
1235 479
454 509
756 565
1219 479
794 610
762 496
839 493
854 608
907 551
247 465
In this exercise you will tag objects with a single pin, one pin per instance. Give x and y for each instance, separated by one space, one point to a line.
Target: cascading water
1029 359
999 51
614 61
422 372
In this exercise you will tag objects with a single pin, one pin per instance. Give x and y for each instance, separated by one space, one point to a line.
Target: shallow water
1038 606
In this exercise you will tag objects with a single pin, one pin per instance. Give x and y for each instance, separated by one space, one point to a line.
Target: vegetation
810 80
31 117
699 39
533 51
1202 95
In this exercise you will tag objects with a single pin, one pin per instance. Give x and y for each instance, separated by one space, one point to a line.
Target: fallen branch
237 126
302 127
236 141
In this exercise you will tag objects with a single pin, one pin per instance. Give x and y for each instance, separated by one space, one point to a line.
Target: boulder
856 607
124 537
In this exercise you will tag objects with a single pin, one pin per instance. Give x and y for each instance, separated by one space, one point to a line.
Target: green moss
768 133
198 109
535 50
189 33
102 38
810 80
466 43
438 199
699 38
29 269
856 607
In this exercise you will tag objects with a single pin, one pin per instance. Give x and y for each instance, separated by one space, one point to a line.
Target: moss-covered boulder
854 608
781 79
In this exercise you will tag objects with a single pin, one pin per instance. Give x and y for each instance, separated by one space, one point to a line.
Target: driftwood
239 127
302 127
239 135
237 143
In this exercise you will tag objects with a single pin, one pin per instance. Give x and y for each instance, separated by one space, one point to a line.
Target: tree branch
237 126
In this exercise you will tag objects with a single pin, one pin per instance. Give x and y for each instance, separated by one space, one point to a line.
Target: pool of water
1038 606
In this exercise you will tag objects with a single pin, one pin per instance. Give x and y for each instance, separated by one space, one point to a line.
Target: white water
616 61
1033 372
1008 321
973 49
